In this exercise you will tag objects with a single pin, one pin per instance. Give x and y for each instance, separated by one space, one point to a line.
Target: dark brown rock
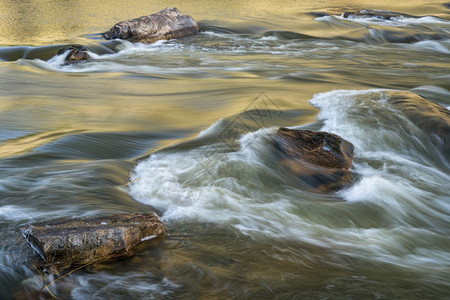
379 14
164 25
319 148
76 54
321 160
65 242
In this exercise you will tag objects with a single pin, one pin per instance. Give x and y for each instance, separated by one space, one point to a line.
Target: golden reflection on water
30 22
25 144
111 102
41 105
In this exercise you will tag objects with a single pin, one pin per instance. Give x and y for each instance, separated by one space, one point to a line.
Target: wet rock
321 160
68 242
319 148
75 55
164 25
379 14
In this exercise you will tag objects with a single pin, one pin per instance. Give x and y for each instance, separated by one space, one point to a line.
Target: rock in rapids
75 54
167 24
320 159
379 14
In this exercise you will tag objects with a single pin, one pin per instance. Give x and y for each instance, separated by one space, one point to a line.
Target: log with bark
67 242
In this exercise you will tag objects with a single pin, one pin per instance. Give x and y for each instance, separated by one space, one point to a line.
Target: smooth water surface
184 128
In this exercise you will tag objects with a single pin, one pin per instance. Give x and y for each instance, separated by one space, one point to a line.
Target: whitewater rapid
389 214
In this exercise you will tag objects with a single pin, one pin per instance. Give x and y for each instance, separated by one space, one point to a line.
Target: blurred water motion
190 122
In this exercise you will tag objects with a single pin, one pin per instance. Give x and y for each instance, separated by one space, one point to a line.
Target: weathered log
321 160
68 242
167 24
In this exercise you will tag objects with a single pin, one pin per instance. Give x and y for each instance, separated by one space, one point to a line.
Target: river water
183 128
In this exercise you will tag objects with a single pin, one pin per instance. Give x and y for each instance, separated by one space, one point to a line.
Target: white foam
396 21
212 33
269 38
365 118
424 20
58 59
102 285
378 190
437 90
334 112
211 129
147 238
22 213
119 61
15 212
205 183
213 184
198 183
441 46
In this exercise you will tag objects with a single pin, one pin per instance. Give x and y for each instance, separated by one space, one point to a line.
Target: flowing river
183 128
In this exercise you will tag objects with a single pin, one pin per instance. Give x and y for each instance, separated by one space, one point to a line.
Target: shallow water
190 123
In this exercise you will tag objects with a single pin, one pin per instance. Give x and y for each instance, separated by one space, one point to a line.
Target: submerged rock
317 14
379 14
65 242
430 117
319 159
76 54
167 24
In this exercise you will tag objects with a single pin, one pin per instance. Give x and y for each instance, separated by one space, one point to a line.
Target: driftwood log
167 24
67 242
320 160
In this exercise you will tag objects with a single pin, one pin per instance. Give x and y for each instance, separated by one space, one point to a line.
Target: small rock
76 54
